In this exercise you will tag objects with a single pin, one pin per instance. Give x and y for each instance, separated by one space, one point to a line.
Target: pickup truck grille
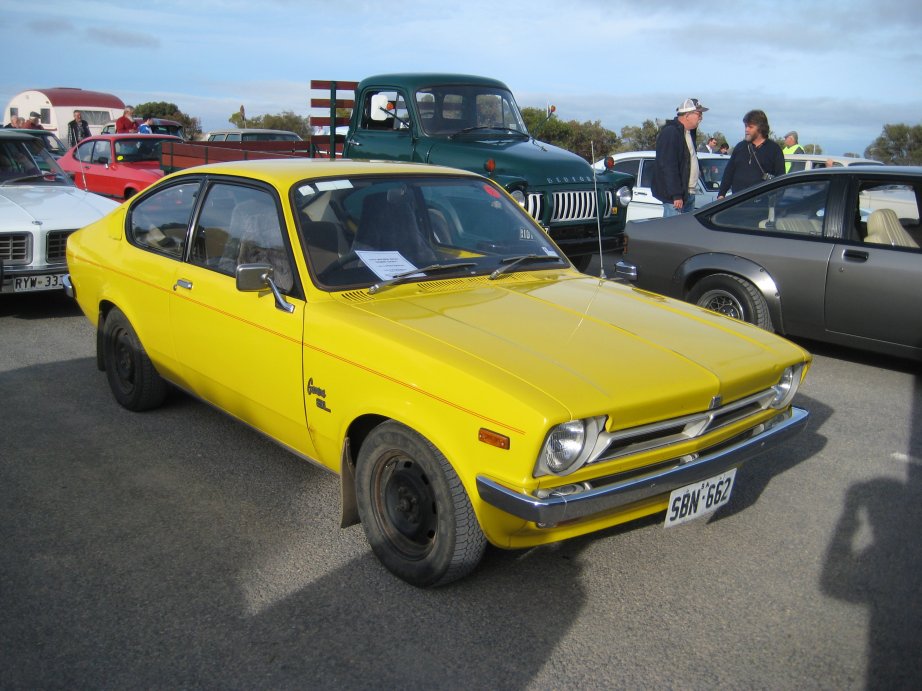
534 205
16 248
574 206
56 246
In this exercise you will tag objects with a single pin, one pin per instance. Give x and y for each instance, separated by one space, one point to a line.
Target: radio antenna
598 210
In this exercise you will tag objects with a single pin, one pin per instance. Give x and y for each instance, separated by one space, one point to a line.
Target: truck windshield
450 109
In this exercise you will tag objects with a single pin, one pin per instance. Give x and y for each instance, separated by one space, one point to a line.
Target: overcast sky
835 70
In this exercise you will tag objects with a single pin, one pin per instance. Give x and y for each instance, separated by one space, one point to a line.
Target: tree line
898 144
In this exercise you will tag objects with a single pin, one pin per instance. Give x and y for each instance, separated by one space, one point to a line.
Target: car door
874 286
239 350
643 203
383 130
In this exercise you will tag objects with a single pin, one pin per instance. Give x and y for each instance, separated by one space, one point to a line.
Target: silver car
831 254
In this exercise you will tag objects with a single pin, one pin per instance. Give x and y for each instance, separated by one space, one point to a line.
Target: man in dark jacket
77 129
754 159
675 173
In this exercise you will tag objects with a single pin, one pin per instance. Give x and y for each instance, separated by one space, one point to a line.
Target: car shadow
179 547
874 558
40 305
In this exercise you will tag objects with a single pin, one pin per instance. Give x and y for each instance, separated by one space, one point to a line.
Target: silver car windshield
28 162
366 231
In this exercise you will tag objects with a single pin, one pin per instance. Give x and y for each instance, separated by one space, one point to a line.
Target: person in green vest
791 147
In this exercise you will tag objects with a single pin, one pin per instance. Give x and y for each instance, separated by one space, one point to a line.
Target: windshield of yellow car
361 231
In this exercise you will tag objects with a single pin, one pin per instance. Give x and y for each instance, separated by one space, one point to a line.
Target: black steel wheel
414 509
734 297
132 377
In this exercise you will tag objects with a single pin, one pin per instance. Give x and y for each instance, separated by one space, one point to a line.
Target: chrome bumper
68 286
557 509
626 271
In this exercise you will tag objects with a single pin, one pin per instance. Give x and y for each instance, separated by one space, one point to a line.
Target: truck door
384 127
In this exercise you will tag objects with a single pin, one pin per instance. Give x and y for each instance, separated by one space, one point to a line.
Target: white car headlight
568 446
787 386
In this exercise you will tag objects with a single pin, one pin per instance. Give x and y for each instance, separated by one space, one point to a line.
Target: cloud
44 27
121 39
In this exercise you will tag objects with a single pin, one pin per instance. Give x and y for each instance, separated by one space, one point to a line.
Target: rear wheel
415 512
132 377
734 297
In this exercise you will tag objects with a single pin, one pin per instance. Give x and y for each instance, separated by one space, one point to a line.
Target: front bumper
553 510
626 271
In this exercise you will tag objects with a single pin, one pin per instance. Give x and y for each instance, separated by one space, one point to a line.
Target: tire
734 297
132 377
414 510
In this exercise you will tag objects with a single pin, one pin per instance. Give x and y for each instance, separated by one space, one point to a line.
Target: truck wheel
734 297
132 377
415 512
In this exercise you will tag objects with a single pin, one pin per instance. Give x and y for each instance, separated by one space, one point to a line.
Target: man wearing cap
791 147
33 123
675 172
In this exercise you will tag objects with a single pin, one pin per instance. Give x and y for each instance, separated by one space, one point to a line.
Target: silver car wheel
722 302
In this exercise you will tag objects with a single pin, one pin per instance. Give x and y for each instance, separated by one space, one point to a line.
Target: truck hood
591 345
538 163
52 207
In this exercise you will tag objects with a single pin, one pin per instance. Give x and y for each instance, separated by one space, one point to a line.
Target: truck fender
697 267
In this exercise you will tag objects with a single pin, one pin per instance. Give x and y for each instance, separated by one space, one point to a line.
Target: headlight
624 196
519 196
786 387
568 446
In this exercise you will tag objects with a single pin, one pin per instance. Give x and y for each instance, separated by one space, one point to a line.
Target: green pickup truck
459 121
474 123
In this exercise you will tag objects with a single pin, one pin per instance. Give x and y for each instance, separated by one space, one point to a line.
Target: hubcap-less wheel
732 296
132 377
414 509
403 499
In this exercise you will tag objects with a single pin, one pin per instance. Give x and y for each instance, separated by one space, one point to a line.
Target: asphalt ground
179 549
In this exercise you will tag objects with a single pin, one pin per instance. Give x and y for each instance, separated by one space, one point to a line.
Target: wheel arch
356 434
105 307
695 268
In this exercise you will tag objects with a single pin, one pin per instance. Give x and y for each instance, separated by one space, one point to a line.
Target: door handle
855 255
182 283
352 142
638 193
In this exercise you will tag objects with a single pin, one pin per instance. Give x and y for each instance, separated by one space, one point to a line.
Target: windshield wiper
431 269
494 129
510 263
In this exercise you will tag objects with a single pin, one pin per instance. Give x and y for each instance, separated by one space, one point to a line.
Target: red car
116 165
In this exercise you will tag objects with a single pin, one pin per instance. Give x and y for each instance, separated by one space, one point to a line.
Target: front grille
56 246
16 248
678 430
574 206
534 205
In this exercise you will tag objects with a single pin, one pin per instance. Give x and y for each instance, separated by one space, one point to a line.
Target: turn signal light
490 165
500 441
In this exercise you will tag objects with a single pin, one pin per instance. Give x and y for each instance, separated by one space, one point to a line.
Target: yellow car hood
594 346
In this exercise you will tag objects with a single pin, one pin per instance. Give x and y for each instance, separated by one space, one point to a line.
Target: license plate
699 499
26 284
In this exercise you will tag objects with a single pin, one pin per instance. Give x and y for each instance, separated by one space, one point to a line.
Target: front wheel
132 377
734 297
415 512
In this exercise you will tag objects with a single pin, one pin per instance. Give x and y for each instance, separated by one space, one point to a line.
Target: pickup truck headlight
568 446
787 386
624 195
518 195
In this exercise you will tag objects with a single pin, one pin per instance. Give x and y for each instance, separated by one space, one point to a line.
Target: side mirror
253 277
379 109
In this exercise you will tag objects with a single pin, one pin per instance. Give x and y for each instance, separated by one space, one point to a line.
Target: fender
694 268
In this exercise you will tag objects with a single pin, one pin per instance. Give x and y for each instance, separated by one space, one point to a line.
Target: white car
640 165
39 208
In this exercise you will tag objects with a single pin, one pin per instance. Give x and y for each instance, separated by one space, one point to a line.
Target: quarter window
159 221
798 209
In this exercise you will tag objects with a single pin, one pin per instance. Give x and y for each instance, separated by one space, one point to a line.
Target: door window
798 208
159 221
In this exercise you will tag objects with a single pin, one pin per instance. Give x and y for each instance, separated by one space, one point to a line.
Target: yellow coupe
412 329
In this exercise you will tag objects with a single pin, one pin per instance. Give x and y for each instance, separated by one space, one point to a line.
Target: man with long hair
754 159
